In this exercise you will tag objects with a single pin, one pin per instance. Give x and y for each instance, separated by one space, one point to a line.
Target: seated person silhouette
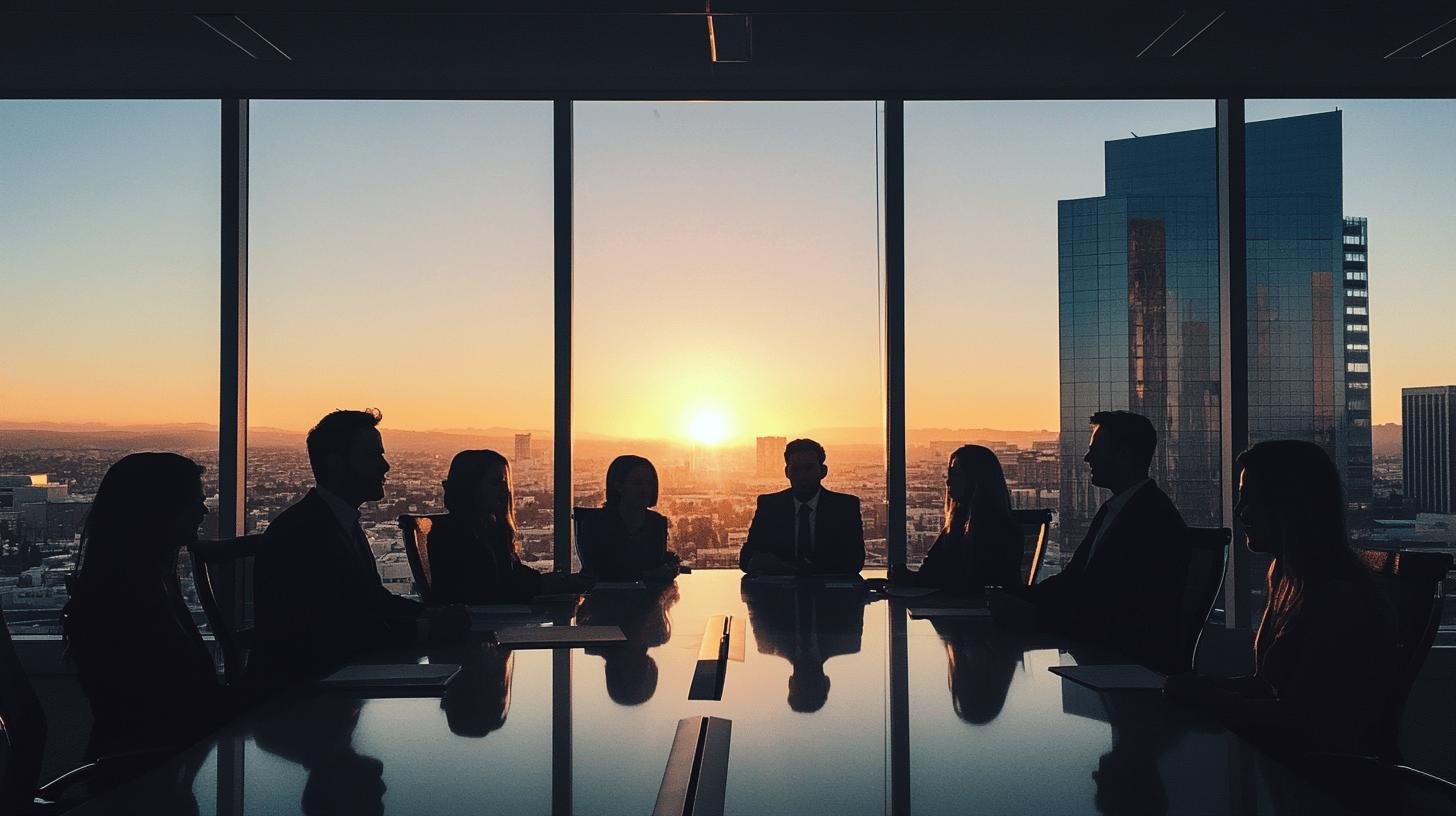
981 662
318 598
806 625
479 698
806 529
22 730
645 618
980 543
624 540
320 737
474 556
1123 587
139 657
1325 650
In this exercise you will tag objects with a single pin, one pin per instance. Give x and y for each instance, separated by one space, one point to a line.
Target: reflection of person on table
319 735
479 698
1129 782
625 540
474 555
806 626
980 664
805 529
644 617
1325 649
980 542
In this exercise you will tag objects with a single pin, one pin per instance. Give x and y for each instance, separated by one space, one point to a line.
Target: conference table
836 701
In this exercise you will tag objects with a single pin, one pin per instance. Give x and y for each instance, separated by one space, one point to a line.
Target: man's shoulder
775 497
305 514
846 499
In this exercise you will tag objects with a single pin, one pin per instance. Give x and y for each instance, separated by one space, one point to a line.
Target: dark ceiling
659 49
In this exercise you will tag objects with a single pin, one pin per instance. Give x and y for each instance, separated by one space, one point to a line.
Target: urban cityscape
1138 308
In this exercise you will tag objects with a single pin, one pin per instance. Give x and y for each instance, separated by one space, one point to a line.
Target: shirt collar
813 501
1119 499
347 516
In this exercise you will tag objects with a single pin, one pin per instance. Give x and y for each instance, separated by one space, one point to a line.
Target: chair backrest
1411 582
216 566
416 532
589 524
1036 525
1207 562
22 730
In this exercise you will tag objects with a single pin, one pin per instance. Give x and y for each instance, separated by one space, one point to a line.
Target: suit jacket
318 598
1130 594
838 532
608 551
469 570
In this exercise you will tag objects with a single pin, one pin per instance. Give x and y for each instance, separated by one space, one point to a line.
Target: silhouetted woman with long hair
141 661
980 542
626 539
1325 648
474 556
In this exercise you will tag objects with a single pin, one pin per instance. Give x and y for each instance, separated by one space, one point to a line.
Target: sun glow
708 427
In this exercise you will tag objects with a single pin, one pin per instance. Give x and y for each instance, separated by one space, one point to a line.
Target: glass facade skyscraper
1139 307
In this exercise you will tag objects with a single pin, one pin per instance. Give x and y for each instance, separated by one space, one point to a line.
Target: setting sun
708 427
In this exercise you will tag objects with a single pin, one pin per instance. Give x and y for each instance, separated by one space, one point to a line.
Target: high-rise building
1139 304
771 455
1428 446
523 448
1359 490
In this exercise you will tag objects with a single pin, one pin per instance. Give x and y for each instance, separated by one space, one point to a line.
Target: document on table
419 678
1111 678
547 637
949 612
608 586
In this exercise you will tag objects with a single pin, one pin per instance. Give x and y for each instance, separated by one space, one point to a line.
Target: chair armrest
103 774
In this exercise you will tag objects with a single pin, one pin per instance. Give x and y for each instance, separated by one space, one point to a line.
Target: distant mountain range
197 435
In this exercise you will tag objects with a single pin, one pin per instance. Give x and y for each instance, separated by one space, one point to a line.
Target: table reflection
645 618
806 624
479 698
320 737
981 661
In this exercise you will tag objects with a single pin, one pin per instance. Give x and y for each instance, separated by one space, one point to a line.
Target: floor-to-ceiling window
400 258
108 318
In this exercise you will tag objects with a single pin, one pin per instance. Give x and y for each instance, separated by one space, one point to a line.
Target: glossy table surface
841 705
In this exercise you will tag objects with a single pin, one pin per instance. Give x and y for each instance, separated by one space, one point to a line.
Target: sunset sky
725 255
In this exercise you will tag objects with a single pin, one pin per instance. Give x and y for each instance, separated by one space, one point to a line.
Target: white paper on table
949 612
1112 677
611 585
403 675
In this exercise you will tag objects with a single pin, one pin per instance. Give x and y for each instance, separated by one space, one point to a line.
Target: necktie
806 534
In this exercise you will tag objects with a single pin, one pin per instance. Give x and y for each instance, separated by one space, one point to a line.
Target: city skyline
130 187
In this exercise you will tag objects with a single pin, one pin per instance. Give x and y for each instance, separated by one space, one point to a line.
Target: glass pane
109 223
1022 226
727 294
400 258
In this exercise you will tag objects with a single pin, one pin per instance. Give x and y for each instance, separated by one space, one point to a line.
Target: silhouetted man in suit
1124 585
319 601
806 529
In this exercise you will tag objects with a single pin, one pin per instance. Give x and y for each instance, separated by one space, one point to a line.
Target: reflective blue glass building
1138 289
